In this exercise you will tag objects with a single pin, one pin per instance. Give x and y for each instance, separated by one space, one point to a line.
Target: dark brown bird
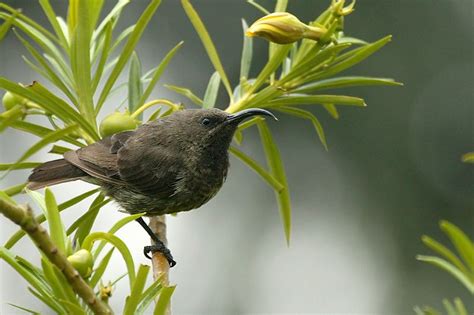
173 164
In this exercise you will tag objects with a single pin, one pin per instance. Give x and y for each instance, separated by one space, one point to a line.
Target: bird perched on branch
176 163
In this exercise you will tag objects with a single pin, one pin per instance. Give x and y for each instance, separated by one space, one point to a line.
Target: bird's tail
52 173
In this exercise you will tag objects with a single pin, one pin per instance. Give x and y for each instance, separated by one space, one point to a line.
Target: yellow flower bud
117 122
283 28
82 261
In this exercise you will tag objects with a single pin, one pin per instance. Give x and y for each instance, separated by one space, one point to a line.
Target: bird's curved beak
246 113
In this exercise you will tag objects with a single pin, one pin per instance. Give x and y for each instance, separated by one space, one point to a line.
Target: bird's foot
162 249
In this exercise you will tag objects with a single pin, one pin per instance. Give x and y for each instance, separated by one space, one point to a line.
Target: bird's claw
162 249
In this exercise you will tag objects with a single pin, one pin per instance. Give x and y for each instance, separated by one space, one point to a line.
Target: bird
173 164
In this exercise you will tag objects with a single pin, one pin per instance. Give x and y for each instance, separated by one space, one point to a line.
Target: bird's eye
206 121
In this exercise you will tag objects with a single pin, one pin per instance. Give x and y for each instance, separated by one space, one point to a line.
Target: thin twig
23 216
160 264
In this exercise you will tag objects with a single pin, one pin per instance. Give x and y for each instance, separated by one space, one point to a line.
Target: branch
160 264
25 219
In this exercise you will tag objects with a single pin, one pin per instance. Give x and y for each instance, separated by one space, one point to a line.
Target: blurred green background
393 170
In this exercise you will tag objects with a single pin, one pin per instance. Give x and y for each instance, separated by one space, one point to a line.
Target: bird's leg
159 246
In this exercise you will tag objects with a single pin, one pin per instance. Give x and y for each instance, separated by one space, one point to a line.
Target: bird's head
211 128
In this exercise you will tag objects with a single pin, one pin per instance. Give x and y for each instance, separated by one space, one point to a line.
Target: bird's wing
99 160
151 169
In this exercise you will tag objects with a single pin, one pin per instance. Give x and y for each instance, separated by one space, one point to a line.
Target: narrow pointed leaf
258 7
444 251
185 92
332 110
450 268
253 165
247 51
212 89
298 112
41 218
51 15
163 300
99 271
149 296
127 50
463 244
119 244
133 299
342 82
157 74
56 228
135 87
275 164
208 44
293 99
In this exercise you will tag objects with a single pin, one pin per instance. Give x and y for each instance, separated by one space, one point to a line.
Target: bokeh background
393 170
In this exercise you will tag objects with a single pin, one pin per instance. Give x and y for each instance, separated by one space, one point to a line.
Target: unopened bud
82 261
117 122
339 9
284 28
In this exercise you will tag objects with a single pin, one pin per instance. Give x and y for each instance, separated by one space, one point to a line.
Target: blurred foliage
83 59
460 265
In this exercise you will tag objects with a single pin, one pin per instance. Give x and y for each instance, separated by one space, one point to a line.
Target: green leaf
32 279
99 272
258 7
185 92
24 309
112 15
58 283
316 60
450 268
341 82
127 51
295 99
461 309
281 5
449 307
14 190
352 58
117 226
157 73
86 221
272 65
468 157
49 73
105 53
351 40
6 197
41 218
119 244
275 164
211 91
149 296
131 302
9 117
332 110
247 51
463 244
80 54
58 308
253 165
208 44
57 149
164 300
56 228
298 112
5 27
51 15
51 103
135 87
51 137
445 252
18 166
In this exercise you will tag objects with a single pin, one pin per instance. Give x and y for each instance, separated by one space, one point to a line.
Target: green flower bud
82 261
284 28
117 122
9 100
